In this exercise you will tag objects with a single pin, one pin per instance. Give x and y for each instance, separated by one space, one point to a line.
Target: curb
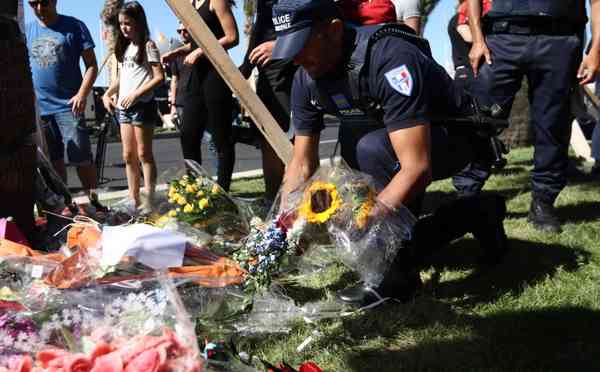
104 196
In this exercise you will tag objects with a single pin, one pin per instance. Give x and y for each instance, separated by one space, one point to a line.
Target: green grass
537 311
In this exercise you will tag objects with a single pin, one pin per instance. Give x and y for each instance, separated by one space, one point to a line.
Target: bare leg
132 163
144 135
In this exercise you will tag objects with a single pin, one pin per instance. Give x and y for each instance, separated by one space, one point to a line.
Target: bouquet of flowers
344 201
195 199
141 326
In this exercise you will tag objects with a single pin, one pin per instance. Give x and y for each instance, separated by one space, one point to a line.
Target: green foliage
539 310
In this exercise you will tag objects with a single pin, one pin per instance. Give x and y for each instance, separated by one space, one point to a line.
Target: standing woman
140 72
208 104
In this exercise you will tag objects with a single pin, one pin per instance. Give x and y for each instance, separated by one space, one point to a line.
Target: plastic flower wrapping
343 201
135 326
195 200
98 300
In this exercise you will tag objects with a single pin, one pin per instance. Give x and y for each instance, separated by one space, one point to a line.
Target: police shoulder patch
400 79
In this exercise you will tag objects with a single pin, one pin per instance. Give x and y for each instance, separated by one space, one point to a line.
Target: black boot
401 282
542 216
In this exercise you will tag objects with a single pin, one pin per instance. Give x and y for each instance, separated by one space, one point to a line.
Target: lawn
539 310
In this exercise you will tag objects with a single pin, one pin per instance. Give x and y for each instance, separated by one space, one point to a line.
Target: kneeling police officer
384 86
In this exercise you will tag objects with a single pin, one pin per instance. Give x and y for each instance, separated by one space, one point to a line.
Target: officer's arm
305 160
479 49
412 147
590 65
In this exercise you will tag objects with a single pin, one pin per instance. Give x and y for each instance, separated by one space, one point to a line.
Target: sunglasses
42 3
181 31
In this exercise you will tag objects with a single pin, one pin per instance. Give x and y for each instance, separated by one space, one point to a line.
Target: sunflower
321 201
362 215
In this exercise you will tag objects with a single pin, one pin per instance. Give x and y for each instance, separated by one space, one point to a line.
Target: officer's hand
261 55
478 51
589 68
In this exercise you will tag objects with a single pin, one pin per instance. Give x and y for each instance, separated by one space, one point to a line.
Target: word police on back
282 22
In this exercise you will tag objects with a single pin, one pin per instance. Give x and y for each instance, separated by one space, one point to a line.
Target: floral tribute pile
102 328
66 309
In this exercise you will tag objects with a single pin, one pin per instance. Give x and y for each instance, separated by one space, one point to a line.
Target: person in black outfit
273 87
540 39
208 101
460 53
180 76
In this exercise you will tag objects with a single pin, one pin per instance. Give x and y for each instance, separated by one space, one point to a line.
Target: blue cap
293 20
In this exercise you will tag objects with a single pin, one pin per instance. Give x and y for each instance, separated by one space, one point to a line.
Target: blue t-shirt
54 54
410 87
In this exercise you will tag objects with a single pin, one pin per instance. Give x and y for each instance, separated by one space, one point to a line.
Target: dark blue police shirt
432 91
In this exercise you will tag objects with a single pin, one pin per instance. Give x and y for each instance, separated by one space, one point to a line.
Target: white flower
6 340
76 316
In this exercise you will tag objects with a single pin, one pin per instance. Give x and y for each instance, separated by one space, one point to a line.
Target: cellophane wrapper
135 325
194 199
343 201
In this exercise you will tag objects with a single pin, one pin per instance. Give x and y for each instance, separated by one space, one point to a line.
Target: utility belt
531 26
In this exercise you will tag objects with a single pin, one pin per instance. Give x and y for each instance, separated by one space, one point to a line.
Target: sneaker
542 216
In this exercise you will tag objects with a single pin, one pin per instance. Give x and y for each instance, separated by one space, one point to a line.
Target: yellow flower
365 209
178 210
200 194
188 208
181 201
183 182
191 189
215 189
203 203
324 213
172 213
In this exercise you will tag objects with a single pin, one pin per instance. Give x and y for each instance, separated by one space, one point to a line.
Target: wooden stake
263 119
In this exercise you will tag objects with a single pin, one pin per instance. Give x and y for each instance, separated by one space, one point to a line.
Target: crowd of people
361 61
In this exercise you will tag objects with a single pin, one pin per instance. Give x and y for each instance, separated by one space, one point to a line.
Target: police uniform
388 82
539 39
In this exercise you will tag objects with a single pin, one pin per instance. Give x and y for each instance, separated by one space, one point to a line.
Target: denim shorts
64 131
141 113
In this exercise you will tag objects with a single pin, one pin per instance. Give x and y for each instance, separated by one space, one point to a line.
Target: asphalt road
167 152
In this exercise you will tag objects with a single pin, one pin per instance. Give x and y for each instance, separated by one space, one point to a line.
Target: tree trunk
17 117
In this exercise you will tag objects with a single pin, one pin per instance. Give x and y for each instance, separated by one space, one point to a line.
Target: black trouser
210 110
550 64
463 78
451 151
274 88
